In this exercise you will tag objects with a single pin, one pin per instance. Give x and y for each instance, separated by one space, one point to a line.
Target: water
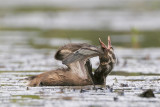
32 31
20 60
15 93
26 58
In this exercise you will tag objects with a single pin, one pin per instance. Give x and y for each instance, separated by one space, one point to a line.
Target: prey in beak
103 46
107 50
107 61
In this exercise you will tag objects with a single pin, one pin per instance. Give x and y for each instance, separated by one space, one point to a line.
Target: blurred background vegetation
130 23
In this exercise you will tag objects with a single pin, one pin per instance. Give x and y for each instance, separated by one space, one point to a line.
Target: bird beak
104 46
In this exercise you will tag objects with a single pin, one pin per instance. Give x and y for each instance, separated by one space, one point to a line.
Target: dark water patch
147 94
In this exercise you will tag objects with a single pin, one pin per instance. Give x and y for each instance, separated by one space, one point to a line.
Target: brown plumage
79 71
60 77
65 50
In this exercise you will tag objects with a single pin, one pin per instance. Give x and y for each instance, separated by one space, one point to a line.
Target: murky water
31 32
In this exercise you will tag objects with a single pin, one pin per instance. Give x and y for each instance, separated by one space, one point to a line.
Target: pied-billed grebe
79 68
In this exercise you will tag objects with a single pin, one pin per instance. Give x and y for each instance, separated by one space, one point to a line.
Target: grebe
79 69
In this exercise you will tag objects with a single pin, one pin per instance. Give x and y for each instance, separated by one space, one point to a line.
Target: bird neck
102 71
